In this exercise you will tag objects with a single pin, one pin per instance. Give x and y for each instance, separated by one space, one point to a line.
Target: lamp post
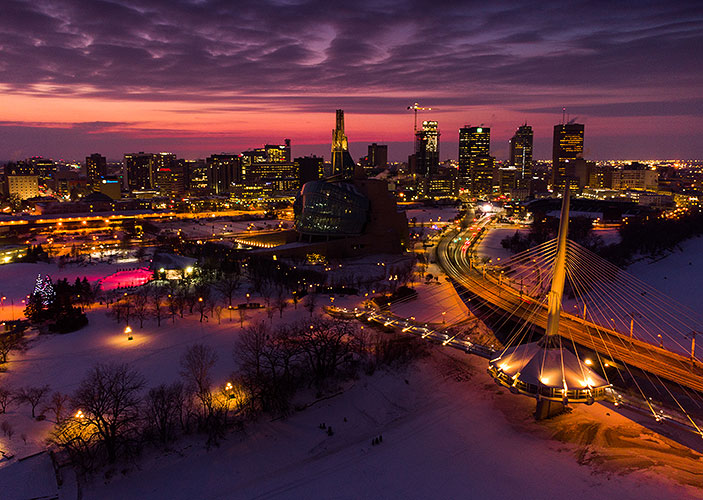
128 332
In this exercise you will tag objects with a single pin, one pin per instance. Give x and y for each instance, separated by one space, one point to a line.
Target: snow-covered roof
171 261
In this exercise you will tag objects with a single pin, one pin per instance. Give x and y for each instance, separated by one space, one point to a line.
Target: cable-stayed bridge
627 324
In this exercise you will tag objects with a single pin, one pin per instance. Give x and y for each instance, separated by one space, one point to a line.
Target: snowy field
431 214
490 244
448 431
678 275
206 228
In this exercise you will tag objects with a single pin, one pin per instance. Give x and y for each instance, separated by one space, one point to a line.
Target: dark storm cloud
201 50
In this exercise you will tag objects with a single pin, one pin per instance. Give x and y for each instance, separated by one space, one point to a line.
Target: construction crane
416 107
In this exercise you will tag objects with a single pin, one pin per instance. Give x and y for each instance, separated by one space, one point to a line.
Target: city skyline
118 77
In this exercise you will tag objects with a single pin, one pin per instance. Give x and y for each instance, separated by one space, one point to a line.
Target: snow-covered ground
207 228
490 244
440 214
678 275
448 432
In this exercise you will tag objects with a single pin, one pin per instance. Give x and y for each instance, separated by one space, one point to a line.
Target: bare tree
216 312
58 406
189 299
7 429
270 312
108 400
267 292
122 309
157 303
172 304
311 303
8 343
266 362
6 395
203 301
32 396
140 303
326 345
281 302
196 369
242 316
228 285
164 409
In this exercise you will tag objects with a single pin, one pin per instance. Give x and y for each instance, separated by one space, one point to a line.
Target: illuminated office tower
567 146
95 168
427 148
171 178
521 150
278 153
474 143
197 176
342 163
224 170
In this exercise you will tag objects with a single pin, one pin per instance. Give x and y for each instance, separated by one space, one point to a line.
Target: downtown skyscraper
427 148
521 150
475 160
566 147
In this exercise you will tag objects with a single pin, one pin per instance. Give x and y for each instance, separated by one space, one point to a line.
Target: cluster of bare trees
168 300
33 396
111 415
275 364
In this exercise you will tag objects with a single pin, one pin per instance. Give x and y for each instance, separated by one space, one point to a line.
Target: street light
128 332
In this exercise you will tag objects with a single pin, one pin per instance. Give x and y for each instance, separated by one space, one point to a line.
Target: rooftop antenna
563 116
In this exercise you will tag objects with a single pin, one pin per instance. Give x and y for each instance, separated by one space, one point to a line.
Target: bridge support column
548 409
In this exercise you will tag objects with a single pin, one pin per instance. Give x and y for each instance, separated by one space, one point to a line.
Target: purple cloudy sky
201 76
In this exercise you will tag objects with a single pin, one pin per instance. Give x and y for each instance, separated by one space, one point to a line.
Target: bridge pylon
545 370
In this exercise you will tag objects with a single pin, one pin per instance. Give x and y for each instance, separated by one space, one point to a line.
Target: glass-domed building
331 209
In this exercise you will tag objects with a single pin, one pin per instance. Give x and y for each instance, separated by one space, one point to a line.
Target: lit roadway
50 219
454 258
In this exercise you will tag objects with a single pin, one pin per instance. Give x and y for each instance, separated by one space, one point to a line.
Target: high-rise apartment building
95 168
521 150
427 148
566 147
137 171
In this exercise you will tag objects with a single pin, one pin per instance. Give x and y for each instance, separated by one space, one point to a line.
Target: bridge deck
607 342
